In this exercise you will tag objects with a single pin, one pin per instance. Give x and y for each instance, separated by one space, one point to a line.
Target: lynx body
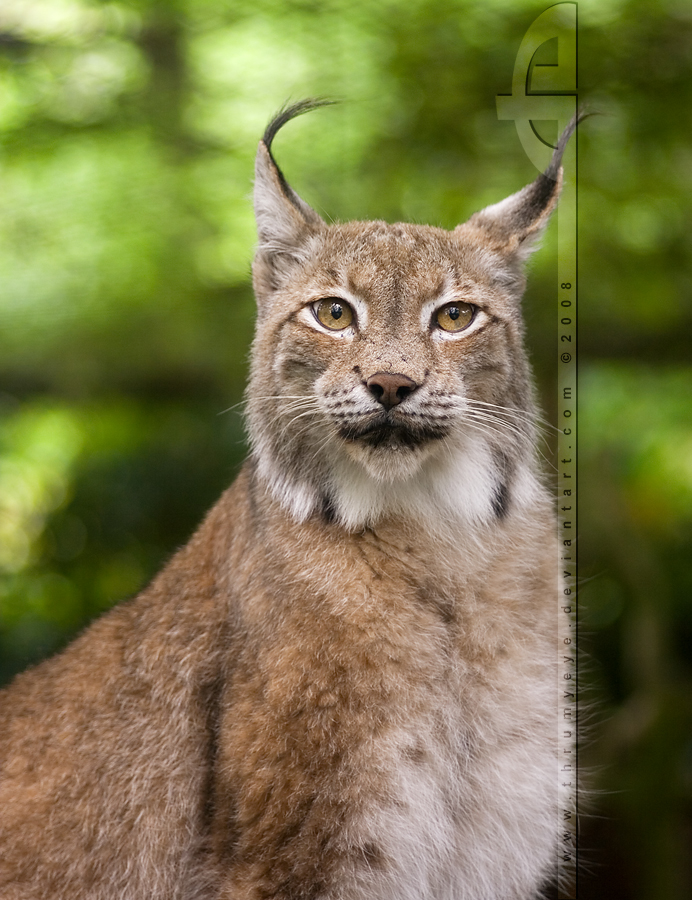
345 686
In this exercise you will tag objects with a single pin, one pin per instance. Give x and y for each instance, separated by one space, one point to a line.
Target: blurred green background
127 137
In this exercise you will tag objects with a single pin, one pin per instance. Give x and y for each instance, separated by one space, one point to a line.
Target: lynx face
389 369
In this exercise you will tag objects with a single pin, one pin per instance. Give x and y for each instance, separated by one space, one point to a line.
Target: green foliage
93 497
127 137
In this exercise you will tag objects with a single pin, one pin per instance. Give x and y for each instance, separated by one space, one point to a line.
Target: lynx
345 686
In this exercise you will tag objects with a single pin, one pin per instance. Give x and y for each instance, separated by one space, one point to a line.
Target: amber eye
333 313
454 316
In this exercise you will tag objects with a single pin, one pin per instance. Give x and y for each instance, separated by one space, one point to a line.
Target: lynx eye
454 316
333 313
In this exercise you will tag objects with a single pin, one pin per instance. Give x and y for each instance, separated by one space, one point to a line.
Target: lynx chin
345 686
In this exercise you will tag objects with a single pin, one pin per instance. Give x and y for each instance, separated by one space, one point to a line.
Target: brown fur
302 705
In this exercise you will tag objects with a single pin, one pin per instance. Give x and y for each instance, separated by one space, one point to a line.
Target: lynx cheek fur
345 686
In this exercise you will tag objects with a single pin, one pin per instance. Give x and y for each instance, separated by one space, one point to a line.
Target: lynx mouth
386 432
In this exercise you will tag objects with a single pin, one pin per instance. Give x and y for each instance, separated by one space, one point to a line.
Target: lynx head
388 370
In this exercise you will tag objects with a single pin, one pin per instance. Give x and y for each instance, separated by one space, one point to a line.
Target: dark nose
389 389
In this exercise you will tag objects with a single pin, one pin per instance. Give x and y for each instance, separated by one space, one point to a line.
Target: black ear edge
541 198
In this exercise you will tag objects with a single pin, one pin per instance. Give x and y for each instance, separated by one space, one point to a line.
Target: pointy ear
283 219
515 225
285 223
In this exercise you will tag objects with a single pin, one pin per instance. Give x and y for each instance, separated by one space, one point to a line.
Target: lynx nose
389 389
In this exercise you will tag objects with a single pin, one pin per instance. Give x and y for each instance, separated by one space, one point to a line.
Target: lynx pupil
337 312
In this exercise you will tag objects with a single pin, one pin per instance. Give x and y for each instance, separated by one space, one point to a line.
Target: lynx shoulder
345 685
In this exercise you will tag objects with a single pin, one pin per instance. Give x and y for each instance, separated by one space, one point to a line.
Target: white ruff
457 485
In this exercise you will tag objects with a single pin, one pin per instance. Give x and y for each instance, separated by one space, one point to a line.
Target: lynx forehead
392 357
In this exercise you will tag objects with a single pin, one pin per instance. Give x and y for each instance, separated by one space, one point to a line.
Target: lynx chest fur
345 686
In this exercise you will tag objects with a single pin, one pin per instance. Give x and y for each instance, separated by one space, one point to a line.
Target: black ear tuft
284 115
543 187
551 173
514 225
285 223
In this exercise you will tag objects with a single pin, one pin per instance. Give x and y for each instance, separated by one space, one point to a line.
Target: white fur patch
446 831
416 834
298 499
457 484
526 488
